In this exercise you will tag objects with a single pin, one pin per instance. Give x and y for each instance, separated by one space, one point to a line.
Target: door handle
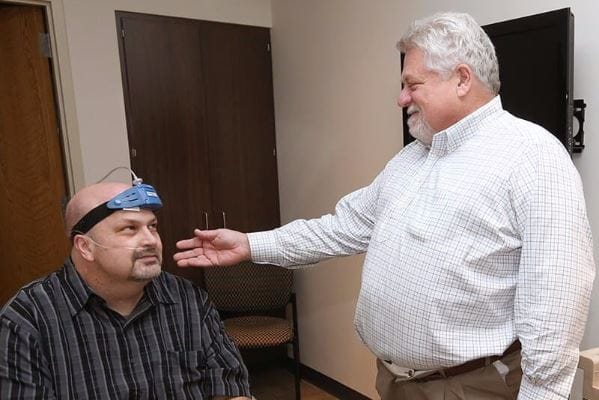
224 220
205 220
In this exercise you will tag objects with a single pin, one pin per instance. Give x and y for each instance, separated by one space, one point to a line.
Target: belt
478 363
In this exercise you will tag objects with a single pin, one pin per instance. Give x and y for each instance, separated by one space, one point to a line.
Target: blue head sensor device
140 195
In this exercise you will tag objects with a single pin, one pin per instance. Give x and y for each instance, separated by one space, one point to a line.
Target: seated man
109 324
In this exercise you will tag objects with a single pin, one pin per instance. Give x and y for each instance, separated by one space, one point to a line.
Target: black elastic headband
90 219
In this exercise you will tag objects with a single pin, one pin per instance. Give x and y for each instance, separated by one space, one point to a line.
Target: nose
404 98
150 237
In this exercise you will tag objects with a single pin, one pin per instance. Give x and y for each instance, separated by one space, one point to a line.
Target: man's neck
120 294
121 297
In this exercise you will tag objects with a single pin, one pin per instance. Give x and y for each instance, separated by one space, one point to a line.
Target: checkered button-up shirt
472 243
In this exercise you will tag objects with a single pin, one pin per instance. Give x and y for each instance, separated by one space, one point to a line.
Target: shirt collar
448 140
78 293
158 291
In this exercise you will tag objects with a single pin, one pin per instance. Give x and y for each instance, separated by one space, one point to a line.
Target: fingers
188 244
205 235
182 255
192 258
212 248
196 241
195 262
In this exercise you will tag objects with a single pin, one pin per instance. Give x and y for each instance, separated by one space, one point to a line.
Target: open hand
218 247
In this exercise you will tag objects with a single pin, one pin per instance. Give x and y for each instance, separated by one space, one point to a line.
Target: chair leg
298 377
296 353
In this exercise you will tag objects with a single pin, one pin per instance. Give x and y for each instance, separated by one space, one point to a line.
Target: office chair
253 300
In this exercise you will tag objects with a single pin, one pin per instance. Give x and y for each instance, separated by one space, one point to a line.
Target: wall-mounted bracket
579 106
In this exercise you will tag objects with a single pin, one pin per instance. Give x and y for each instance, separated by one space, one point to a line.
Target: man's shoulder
170 279
524 132
178 286
32 301
36 289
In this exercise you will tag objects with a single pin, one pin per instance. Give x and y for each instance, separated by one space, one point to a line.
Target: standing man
479 258
109 324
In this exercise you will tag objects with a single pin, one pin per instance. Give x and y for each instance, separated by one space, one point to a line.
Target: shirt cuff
530 391
263 248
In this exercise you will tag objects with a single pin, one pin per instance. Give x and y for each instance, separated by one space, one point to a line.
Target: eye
129 228
153 226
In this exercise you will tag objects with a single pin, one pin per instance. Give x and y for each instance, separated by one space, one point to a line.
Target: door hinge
122 32
274 152
133 153
268 47
43 40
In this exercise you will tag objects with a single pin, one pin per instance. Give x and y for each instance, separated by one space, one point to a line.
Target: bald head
88 198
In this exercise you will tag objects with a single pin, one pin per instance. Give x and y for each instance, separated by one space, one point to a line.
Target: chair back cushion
249 287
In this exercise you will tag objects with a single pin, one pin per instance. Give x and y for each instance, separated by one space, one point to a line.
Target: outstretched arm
211 248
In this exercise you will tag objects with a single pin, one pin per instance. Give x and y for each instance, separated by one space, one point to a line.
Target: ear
465 78
83 247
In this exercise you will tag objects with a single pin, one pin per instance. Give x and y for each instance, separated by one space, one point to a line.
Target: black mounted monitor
535 56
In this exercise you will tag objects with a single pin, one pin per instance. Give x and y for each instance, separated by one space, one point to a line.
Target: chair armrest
589 363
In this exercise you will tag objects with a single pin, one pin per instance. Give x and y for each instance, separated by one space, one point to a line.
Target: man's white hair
449 39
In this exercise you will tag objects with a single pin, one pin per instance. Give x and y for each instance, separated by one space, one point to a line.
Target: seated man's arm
23 370
230 398
225 374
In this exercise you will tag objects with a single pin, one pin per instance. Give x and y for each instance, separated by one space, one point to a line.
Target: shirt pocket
189 365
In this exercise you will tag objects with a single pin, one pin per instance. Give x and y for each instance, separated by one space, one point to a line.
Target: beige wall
87 40
335 78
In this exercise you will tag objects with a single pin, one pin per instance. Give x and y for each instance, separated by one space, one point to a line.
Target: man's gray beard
142 272
145 273
420 129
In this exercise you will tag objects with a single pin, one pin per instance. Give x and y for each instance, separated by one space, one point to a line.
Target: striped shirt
58 340
470 244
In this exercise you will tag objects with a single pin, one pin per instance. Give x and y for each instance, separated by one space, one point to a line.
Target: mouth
412 111
148 259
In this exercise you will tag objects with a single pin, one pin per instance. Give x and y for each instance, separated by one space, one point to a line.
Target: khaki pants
485 383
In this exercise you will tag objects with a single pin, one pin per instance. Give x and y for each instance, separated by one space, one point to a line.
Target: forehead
131 217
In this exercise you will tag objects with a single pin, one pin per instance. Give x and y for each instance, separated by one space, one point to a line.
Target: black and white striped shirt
59 340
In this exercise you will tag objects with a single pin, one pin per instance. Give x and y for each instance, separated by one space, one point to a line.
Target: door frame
63 90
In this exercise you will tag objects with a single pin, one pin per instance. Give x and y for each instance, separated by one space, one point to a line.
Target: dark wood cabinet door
162 75
200 119
240 126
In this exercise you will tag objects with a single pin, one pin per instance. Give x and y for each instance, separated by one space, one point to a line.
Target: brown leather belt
476 364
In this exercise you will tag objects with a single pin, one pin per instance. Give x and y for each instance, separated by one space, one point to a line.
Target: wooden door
162 75
32 180
240 126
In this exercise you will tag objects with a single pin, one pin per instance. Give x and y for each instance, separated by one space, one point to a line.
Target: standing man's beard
419 128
